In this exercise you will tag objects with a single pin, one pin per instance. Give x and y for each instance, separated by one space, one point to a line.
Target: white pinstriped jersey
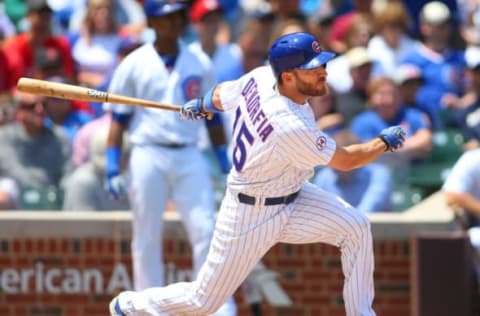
275 141
142 74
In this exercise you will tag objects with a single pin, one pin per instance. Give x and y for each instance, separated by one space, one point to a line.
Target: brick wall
78 276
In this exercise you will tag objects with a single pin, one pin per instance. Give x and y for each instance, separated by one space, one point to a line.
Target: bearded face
311 82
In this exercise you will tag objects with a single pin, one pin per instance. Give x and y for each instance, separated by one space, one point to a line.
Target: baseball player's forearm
357 155
115 135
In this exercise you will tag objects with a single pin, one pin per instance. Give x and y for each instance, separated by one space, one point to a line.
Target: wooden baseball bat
73 92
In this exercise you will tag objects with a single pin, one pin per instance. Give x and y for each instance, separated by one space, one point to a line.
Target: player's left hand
393 136
193 110
115 185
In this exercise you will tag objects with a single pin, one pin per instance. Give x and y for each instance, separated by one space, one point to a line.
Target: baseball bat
73 92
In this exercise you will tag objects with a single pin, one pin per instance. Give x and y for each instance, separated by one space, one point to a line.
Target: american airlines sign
39 279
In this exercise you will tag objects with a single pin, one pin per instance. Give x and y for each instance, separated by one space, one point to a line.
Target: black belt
250 200
172 145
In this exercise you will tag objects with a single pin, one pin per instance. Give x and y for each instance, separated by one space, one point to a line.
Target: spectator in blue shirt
409 80
442 66
368 188
385 109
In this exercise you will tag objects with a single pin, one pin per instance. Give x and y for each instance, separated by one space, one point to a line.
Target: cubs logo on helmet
316 47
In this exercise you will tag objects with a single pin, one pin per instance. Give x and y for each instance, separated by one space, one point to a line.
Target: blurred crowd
412 63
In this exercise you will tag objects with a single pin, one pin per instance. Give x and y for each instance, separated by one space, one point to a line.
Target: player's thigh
243 235
320 216
148 189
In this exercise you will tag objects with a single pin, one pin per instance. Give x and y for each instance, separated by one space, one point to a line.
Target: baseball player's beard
311 89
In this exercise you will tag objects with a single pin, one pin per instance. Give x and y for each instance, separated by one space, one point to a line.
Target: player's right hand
193 110
116 186
393 136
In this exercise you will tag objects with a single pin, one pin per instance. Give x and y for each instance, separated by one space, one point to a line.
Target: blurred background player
166 163
461 191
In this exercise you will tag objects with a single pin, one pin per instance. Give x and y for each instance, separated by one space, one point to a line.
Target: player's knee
201 308
205 306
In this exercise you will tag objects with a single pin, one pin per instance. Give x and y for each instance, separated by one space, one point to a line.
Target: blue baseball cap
155 8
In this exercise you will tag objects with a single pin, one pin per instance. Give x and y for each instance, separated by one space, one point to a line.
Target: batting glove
193 110
199 108
116 186
393 137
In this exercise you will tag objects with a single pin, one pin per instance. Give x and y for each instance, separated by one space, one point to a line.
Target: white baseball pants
244 233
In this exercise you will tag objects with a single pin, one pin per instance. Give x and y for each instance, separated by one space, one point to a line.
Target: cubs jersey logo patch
316 47
191 87
321 142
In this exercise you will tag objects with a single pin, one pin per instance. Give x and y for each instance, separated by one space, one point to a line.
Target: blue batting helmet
297 51
155 8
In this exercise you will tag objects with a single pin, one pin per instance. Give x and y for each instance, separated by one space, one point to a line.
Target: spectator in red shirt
20 49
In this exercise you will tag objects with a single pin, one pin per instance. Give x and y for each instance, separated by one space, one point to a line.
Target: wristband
113 156
207 101
220 152
386 143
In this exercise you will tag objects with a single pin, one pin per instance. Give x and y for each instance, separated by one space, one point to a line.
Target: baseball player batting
268 199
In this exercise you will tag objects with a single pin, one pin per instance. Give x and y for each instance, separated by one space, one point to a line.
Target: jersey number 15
243 137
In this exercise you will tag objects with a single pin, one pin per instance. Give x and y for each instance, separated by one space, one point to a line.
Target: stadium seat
404 197
447 145
432 172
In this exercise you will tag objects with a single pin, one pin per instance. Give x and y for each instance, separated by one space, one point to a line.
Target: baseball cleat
115 308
